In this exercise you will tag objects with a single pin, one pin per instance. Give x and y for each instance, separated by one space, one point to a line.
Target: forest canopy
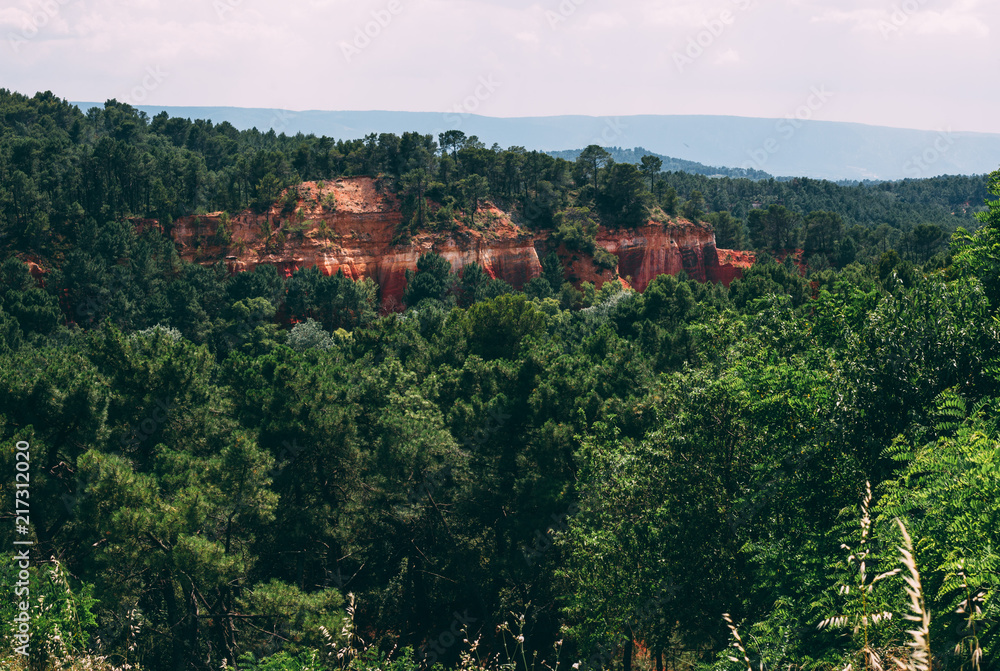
266 472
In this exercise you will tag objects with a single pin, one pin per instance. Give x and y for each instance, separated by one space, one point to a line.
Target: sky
904 63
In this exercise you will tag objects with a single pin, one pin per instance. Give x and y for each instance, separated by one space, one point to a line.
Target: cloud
605 21
728 57
950 22
271 53
964 17
676 14
12 17
861 19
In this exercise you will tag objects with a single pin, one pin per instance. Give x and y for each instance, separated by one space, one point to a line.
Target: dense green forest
263 472
64 174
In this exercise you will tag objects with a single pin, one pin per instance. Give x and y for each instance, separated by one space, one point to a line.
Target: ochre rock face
731 264
350 224
656 249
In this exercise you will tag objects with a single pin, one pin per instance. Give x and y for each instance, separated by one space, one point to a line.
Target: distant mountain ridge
787 147
670 164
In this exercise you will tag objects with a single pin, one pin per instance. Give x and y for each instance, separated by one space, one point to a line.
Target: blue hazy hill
819 149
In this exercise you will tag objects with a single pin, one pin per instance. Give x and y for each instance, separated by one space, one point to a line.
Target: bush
497 328
577 229
309 335
605 259
159 330
60 616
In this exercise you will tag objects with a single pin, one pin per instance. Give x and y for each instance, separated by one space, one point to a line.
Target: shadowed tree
775 228
650 167
431 280
823 230
414 186
451 139
694 208
729 233
475 188
926 237
590 161
474 278
622 201
552 271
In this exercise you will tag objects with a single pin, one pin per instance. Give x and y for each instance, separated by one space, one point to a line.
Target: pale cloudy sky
907 63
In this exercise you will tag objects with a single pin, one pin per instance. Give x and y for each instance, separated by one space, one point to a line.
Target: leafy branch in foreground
860 620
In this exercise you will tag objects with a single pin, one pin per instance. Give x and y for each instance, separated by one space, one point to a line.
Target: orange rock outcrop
350 225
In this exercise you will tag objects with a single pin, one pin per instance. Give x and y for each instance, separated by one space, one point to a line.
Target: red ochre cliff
350 225
657 249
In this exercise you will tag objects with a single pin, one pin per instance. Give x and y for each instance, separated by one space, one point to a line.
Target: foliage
577 229
776 228
976 254
264 472
432 280
729 231
59 616
309 335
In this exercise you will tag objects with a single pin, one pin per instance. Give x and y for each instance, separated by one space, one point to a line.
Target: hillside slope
349 225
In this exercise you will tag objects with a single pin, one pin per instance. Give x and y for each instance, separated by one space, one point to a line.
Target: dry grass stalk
737 642
970 606
350 651
920 650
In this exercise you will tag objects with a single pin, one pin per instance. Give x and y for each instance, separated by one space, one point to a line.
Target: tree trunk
659 660
226 628
176 640
627 655
193 629
419 593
